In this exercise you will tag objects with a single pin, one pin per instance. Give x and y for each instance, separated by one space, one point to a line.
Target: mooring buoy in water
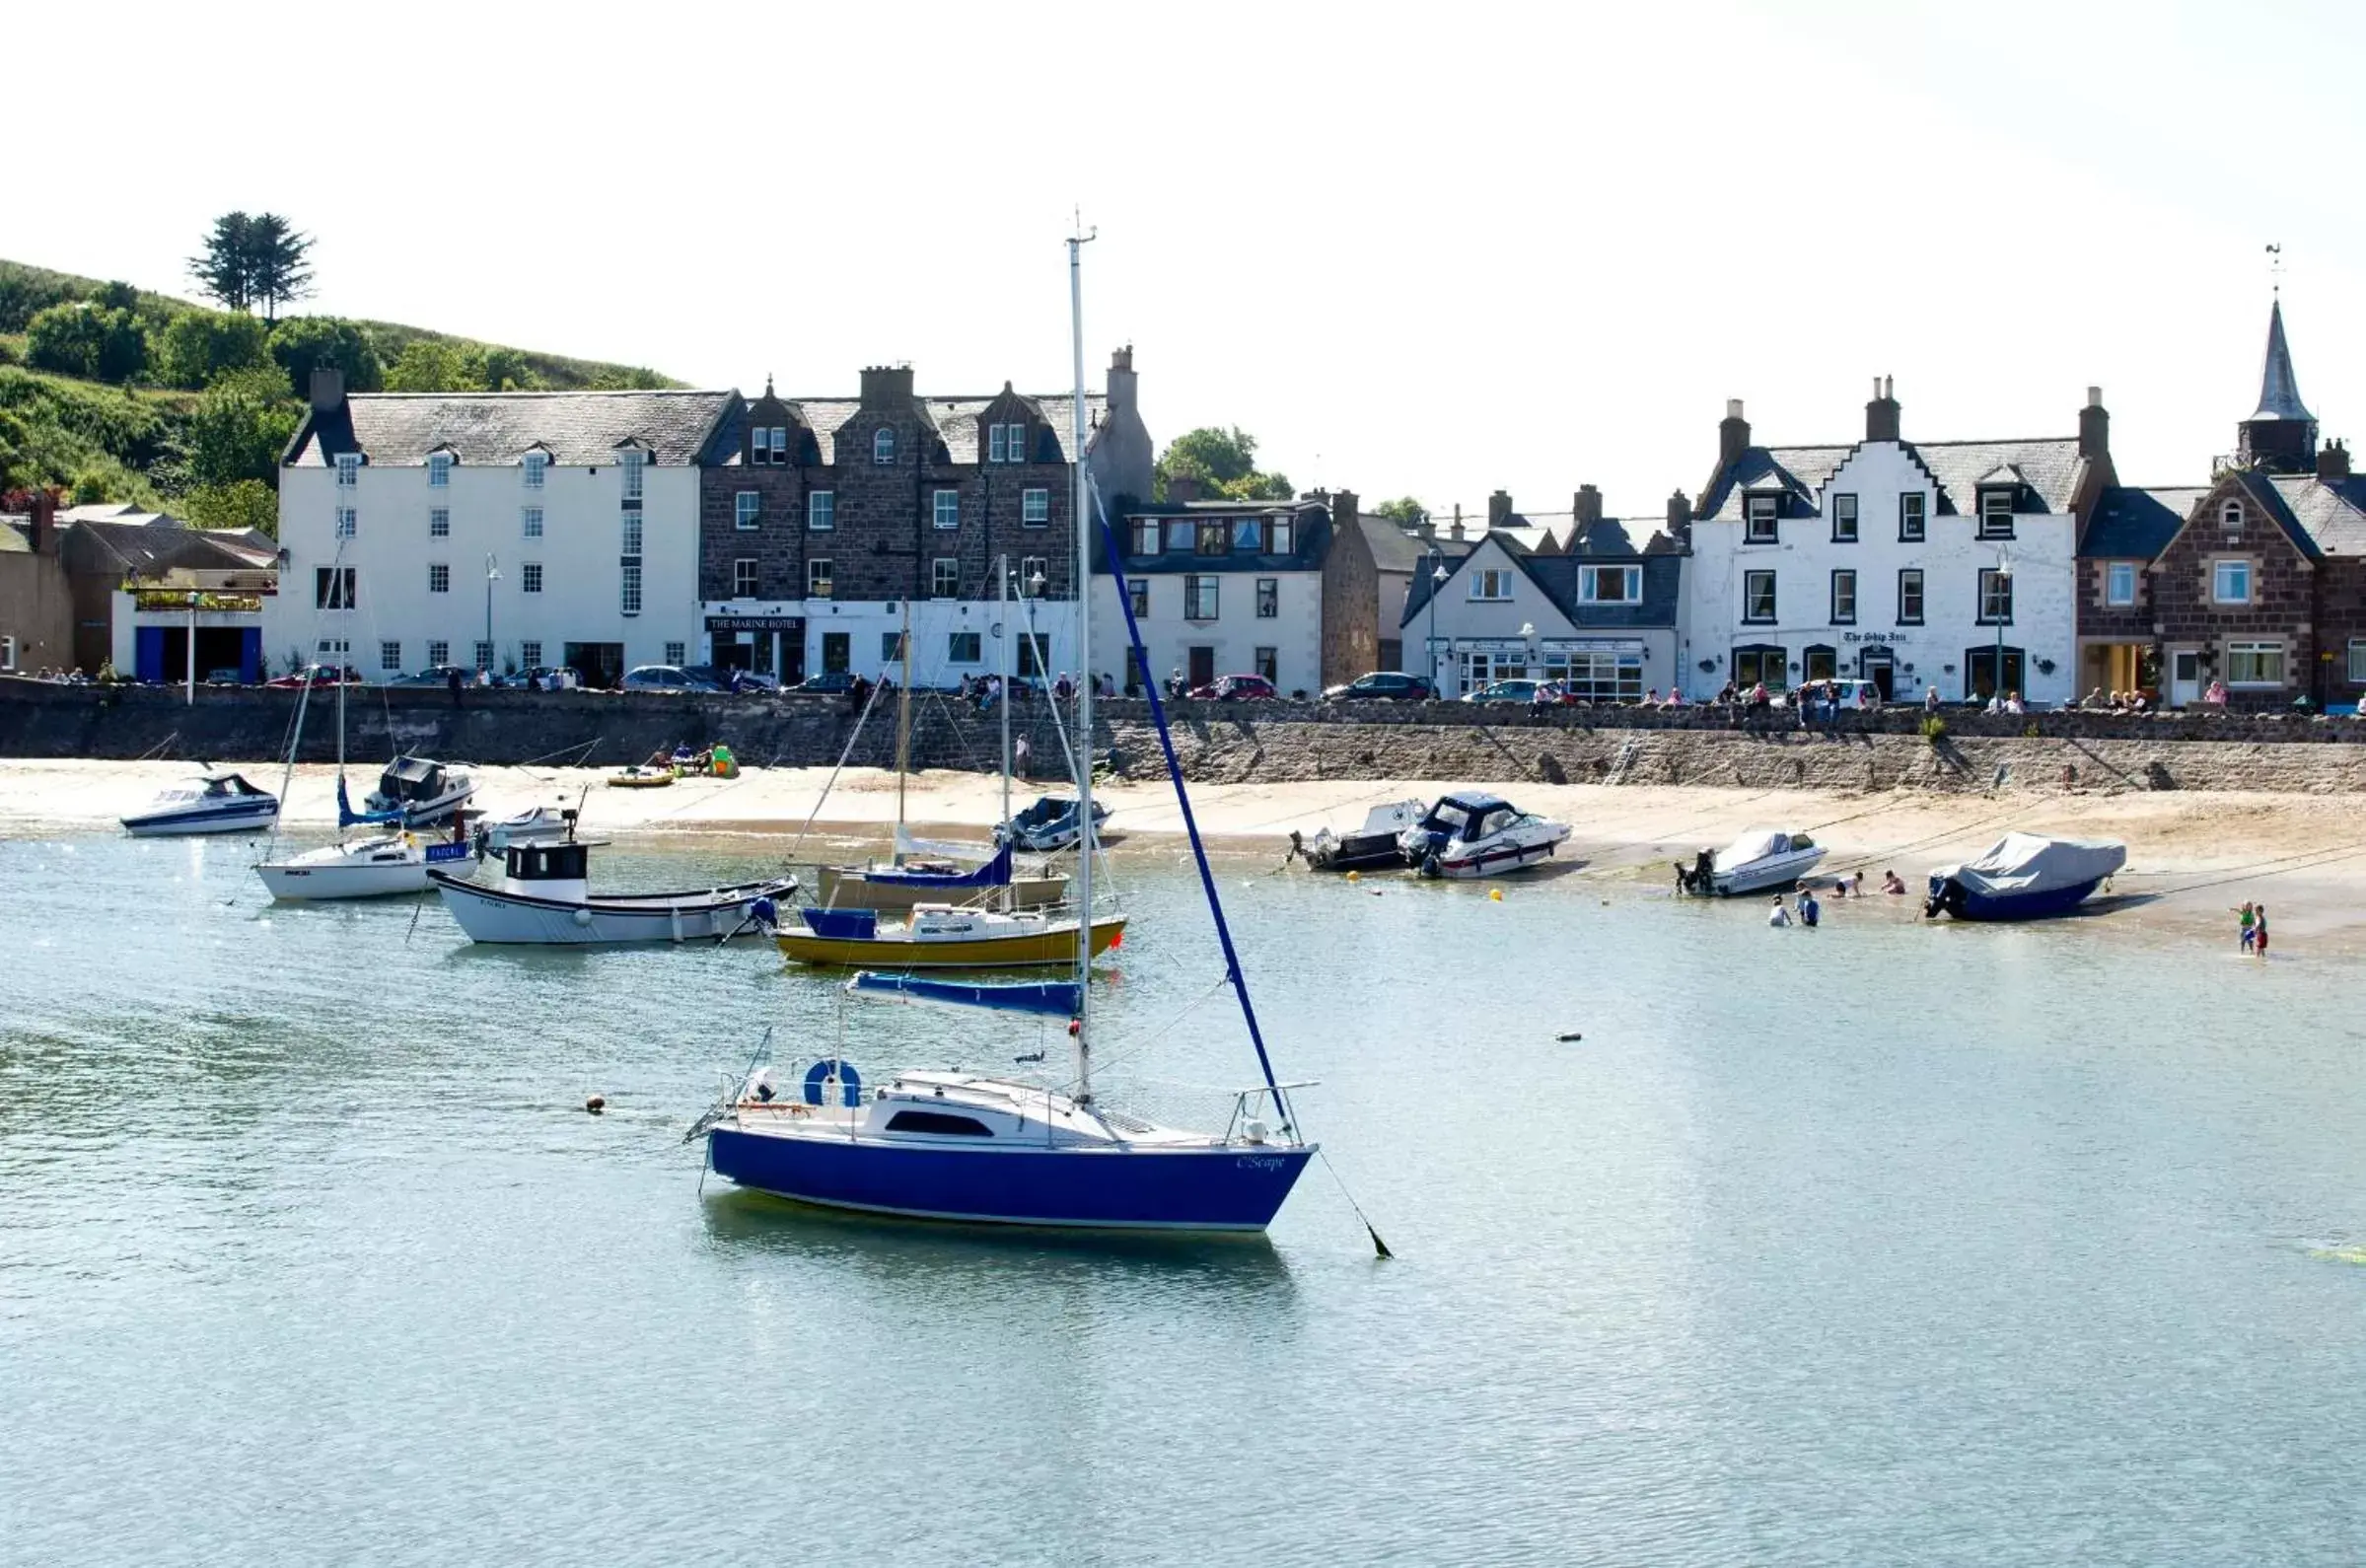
596 1104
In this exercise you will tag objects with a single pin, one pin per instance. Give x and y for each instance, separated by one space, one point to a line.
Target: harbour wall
1277 742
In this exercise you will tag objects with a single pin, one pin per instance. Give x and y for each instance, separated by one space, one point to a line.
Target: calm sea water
1873 1244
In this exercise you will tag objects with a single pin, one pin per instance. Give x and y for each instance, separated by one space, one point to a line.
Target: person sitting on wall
2013 703
1930 700
2215 695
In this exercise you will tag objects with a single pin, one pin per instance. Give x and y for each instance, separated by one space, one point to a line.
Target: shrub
301 342
243 504
1934 729
200 347
86 342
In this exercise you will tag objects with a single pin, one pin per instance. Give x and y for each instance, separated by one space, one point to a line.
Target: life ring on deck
817 1077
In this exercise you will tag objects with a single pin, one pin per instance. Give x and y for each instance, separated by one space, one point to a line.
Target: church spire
2279 388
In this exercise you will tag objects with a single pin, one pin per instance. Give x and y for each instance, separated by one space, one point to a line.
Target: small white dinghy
537 825
543 897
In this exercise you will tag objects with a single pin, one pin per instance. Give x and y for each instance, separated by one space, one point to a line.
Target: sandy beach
2190 854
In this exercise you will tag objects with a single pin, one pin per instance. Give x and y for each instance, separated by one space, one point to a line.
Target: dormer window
1759 512
349 468
2232 517
1996 514
633 459
1609 585
1285 537
439 469
780 442
1146 535
883 446
998 444
537 469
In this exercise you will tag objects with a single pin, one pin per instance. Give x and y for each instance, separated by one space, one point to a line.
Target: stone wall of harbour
1276 742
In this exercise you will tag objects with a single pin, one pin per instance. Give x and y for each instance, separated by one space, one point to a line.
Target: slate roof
954 419
2332 514
2049 467
1605 542
1395 551
2136 523
148 550
489 429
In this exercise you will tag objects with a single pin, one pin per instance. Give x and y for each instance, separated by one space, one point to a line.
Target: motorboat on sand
1758 861
212 803
537 825
2023 876
1049 824
1373 844
426 792
1478 836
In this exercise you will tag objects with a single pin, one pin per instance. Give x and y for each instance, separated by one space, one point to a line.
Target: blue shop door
150 654
251 655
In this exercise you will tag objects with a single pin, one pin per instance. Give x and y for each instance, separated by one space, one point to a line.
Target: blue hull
2026 905
1217 1190
241 818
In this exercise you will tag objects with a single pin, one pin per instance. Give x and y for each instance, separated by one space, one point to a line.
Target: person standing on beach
2259 930
2243 926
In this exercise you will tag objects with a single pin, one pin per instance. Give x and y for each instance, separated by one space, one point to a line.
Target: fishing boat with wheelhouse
544 897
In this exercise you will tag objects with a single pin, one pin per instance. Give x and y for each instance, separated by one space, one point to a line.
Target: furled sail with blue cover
995 872
348 817
1044 998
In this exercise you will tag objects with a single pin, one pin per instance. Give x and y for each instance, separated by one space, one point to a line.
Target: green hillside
116 393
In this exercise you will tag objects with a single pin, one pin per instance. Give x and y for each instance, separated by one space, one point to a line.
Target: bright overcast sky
1427 250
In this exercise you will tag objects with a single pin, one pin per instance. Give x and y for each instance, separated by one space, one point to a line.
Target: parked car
1388 685
665 678
435 675
1512 691
829 680
314 676
1234 688
723 678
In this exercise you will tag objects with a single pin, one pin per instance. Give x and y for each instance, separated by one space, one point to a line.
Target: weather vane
2276 269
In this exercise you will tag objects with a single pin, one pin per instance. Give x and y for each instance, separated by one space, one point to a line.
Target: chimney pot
2093 428
1733 434
2333 462
1733 409
2094 396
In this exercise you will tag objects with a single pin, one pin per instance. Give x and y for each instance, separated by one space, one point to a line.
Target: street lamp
492 575
1437 580
2004 602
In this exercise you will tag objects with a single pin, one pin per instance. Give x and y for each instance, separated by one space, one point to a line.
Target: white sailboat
378 865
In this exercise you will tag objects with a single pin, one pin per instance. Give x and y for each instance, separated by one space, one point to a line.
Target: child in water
2245 927
1782 915
2259 930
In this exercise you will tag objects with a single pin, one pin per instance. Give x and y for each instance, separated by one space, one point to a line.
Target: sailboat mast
1002 656
903 725
1084 691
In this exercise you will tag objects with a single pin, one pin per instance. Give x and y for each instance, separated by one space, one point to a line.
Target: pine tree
278 270
225 272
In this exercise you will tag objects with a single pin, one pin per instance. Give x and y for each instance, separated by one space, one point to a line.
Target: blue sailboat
953 1145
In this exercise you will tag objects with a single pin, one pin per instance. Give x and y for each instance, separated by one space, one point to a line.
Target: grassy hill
119 393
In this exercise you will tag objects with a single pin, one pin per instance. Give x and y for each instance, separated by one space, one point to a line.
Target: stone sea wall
1266 742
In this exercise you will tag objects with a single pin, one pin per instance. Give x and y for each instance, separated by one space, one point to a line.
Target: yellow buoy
1355 876
1495 895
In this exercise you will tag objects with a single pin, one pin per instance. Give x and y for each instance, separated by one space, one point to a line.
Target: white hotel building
1907 563
492 529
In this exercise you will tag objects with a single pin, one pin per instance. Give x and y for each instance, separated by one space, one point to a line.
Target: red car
1234 688
315 675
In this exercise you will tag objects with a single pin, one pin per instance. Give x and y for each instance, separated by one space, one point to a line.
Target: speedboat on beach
1759 860
1478 836
423 790
1373 844
1048 824
2023 876
213 802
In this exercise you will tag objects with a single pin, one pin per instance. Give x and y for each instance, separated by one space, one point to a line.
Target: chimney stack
888 387
2093 428
1456 532
2332 463
1880 415
1499 509
1586 505
40 528
1122 378
1345 509
327 388
1679 518
1733 434
1183 488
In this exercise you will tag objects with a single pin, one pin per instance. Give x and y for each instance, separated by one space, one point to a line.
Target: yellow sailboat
942 937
